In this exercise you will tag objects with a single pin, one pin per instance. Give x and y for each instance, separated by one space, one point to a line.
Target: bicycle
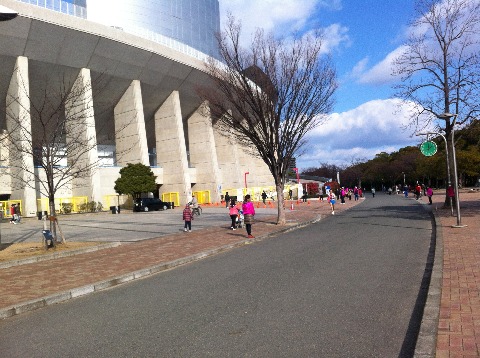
197 211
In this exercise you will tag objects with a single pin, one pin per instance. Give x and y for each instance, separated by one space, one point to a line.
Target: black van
149 204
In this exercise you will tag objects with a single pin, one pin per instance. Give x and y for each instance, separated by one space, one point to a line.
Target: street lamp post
6 14
449 177
446 117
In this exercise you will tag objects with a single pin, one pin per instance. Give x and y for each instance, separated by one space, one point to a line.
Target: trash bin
113 209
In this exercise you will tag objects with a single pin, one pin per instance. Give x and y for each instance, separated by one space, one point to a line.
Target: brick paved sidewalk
459 323
36 285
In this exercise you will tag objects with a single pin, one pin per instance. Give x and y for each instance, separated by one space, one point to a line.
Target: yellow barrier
76 204
172 197
5 207
203 197
114 200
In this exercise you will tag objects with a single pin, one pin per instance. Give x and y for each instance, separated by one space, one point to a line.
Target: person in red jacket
12 213
187 217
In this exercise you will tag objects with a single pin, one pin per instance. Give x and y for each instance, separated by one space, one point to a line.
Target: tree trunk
450 202
53 227
281 220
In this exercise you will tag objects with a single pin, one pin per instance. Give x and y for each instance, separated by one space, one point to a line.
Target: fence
5 207
203 197
172 198
74 204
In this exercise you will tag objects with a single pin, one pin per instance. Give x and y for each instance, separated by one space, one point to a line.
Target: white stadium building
149 55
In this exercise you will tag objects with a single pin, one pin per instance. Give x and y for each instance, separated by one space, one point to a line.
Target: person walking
248 214
18 214
418 191
187 218
450 191
373 192
331 200
233 212
12 214
264 197
429 194
227 199
355 193
342 196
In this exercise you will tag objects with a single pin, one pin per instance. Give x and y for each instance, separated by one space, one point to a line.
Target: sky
363 37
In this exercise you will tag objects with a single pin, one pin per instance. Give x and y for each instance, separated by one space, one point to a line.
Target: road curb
118 280
427 337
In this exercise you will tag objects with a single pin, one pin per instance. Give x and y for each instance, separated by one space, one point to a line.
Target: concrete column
203 155
171 149
130 135
266 178
246 164
81 138
263 175
228 153
19 128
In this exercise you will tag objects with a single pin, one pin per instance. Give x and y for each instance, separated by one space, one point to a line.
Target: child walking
233 212
187 217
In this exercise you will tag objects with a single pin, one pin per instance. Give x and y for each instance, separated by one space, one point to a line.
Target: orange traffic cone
291 206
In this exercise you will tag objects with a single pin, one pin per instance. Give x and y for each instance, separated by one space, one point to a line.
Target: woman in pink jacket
248 214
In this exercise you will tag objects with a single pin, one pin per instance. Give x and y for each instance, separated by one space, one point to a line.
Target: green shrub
66 208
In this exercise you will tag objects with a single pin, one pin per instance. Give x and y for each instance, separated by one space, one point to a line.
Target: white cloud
373 127
283 17
267 14
334 36
379 74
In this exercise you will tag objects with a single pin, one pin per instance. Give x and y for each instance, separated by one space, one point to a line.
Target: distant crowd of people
242 214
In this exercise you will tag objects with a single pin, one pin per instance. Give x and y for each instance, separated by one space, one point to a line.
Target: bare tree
440 67
50 137
270 95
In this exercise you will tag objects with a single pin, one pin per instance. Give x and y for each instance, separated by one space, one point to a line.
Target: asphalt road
348 286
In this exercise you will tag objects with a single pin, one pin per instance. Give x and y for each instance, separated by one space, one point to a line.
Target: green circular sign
428 148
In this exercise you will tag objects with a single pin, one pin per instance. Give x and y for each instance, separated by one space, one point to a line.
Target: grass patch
17 251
